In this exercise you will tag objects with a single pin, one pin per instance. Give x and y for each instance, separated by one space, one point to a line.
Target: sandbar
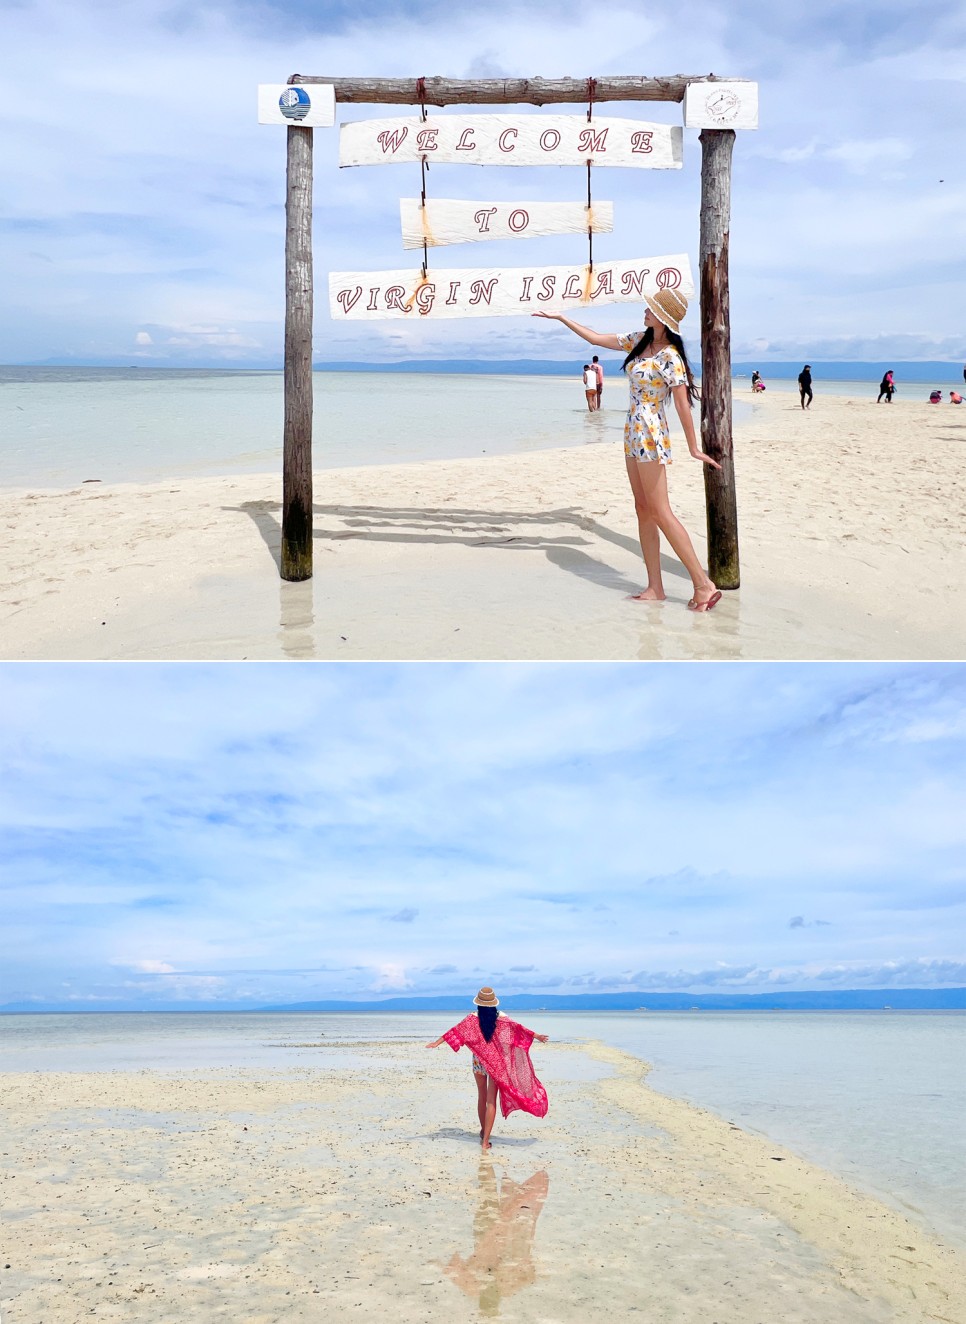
270 1195
852 520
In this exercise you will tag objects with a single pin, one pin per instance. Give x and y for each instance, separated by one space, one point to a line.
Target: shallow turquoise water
62 426
876 1097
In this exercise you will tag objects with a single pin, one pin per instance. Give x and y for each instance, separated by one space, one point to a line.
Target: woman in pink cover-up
501 1062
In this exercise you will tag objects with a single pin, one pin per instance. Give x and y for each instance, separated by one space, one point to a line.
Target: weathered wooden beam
716 436
297 436
506 91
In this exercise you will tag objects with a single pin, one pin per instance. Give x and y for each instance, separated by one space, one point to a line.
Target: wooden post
297 436
719 485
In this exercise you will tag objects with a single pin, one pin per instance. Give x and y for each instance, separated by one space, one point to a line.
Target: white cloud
157 202
191 822
392 978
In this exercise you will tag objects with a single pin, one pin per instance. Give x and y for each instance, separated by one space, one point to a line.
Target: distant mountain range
895 999
934 999
932 371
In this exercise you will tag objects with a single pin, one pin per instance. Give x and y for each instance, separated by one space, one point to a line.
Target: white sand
852 528
264 1196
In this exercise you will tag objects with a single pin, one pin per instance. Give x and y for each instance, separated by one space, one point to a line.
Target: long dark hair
487 1017
675 340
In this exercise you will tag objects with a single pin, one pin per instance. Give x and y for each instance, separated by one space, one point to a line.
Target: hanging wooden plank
455 221
721 105
377 295
501 91
312 108
525 140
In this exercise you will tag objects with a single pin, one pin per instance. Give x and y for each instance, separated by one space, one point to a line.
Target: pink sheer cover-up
507 1059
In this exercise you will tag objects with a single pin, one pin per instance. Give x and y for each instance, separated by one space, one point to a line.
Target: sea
876 1097
61 427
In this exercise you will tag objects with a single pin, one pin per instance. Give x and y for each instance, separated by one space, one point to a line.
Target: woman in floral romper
657 366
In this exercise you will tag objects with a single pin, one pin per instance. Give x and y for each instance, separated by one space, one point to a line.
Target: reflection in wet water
296 619
501 1262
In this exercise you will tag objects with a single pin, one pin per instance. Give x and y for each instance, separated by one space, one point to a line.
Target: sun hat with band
668 305
486 998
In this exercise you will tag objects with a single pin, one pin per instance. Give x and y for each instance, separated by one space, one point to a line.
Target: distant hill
896 999
932 371
934 999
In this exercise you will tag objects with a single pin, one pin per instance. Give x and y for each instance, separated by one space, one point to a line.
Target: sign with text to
454 221
524 140
377 295
312 106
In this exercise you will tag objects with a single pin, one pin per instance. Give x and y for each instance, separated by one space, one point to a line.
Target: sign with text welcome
524 140
454 221
377 295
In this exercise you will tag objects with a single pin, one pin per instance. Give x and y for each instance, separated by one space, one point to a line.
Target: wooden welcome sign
504 140
360 295
715 106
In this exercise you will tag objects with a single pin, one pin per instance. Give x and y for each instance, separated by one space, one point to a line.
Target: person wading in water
501 1062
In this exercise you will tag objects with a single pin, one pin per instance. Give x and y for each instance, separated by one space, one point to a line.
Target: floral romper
645 432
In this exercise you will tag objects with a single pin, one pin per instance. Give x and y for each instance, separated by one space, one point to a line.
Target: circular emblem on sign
294 103
668 278
722 106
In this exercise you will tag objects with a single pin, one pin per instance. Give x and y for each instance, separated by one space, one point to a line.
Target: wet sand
269 1195
852 529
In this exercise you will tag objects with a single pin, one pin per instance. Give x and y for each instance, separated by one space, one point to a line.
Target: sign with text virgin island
516 291
500 140
310 107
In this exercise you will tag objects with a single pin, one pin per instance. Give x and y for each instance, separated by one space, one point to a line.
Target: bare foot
485 1144
647 595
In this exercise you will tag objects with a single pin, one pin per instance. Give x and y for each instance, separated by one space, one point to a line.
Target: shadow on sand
469 528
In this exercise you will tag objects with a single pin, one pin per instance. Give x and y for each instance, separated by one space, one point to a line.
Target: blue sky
141 210
200 834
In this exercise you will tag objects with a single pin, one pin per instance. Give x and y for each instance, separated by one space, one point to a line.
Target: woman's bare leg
490 1115
653 479
647 531
481 1099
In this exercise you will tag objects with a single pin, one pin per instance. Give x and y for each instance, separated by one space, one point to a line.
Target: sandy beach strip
285 1195
852 530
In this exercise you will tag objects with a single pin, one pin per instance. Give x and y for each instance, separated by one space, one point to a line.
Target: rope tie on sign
591 89
424 166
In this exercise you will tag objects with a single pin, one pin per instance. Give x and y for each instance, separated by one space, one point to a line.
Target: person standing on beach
590 387
886 387
805 385
599 369
501 1062
657 367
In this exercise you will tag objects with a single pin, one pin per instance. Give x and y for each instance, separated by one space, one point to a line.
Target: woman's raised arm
585 333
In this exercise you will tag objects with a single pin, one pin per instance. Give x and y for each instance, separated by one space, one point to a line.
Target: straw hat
486 998
669 305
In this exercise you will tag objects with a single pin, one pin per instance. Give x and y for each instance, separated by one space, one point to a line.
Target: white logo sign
311 105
